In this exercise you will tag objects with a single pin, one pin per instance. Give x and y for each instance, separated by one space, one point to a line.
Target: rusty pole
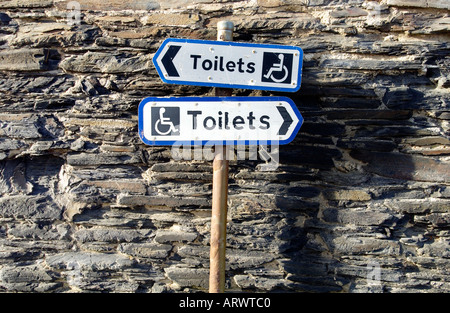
219 193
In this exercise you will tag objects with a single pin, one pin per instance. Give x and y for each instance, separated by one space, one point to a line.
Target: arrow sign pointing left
218 120
229 64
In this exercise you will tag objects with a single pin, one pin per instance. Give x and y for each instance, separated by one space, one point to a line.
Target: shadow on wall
381 168
402 166
373 223
370 226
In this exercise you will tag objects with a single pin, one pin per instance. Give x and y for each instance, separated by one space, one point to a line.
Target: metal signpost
229 64
223 120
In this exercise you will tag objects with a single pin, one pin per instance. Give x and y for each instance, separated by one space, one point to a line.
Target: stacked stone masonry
360 201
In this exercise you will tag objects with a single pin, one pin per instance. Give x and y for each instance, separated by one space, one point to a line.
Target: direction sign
218 120
229 64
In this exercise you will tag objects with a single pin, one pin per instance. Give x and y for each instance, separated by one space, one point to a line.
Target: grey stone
17 254
114 5
419 206
33 231
436 219
99 62
359 216
249 259
172 201
103 158
260 283
30 207
370 64
182 176
23 60
29 278
13 178
163 236
12 4
145 250
364 246
420 3
23 274
195 253
11 144
110 235
404 166
348 12
88 261
188 277
27 128
180 167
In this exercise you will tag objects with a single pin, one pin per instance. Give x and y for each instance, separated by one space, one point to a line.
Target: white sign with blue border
229 64
218 120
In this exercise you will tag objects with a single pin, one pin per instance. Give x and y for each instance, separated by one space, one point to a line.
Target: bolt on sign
229 64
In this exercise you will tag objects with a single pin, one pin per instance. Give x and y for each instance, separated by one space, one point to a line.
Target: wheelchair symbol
278 67
165 121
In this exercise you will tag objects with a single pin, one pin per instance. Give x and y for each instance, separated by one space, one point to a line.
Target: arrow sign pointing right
218 120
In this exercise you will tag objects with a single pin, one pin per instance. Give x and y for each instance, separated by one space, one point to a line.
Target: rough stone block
172 201
346 245
28 278
350 195
145 250
24 274
370 64
164 236
33 231
26 129
119 5
110 235
249 259
12 4
13 179
438 4
170 19
437 248
403 166
88 261
262 283
103 159
100 62
23 60
129 186
436 219
360 216
419 206
188 277
30 207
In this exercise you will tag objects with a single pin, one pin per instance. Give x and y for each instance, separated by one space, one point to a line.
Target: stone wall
360 201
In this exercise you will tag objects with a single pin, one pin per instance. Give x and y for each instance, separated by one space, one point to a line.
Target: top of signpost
228 25
225 31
